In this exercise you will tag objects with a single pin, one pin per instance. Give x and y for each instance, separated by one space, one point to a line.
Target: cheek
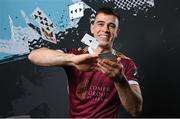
115 34
96 32
96 28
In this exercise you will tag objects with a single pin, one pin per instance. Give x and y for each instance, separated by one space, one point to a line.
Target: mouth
104 37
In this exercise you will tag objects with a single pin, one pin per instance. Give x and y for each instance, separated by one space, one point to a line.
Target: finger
104 65
88 58
109 63
102 68
93 55
94 69
119 59
106 71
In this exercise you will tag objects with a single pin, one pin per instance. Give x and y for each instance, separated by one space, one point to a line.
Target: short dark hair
108 11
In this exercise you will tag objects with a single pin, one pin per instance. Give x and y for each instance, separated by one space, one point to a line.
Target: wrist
68 59
121 80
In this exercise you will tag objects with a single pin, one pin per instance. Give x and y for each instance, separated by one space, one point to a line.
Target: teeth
103 36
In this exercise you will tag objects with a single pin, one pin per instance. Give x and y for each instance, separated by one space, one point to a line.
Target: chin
104 45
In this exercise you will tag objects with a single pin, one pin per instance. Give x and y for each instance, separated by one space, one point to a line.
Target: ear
117 32
92 28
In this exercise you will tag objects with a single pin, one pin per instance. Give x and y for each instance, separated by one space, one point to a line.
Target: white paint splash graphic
18 44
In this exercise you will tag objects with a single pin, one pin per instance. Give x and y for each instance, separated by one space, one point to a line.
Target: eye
100 24
112 26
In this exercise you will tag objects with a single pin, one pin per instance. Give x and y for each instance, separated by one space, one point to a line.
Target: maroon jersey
93 94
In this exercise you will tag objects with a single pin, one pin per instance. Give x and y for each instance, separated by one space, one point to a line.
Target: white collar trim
90 50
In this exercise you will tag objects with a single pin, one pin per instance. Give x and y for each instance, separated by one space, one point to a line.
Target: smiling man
97 86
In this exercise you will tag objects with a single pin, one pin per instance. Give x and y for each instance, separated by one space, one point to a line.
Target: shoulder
130 68
121 55
125 60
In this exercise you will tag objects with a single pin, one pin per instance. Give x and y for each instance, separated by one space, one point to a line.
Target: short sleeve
131 71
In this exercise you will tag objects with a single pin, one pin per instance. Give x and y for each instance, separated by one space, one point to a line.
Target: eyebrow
100 21
104 22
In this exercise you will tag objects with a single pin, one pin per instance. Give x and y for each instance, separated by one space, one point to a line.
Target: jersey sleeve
131 72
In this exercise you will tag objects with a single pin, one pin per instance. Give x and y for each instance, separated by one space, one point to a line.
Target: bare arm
130 95
48 57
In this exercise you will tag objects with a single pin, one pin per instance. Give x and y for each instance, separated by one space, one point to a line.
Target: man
97 86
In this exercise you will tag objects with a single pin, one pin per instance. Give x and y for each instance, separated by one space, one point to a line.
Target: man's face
105 29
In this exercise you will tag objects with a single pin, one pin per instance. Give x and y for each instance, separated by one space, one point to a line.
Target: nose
105 28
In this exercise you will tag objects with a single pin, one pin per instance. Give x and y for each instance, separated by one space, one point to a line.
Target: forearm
130 99
48 57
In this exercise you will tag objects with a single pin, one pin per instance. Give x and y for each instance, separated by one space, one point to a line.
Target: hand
112 69
85 62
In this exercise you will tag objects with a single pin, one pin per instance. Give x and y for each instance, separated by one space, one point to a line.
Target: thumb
119 59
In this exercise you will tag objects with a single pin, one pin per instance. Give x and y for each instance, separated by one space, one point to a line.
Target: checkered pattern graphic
132 4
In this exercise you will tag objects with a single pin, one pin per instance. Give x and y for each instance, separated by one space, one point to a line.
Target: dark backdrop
151 39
